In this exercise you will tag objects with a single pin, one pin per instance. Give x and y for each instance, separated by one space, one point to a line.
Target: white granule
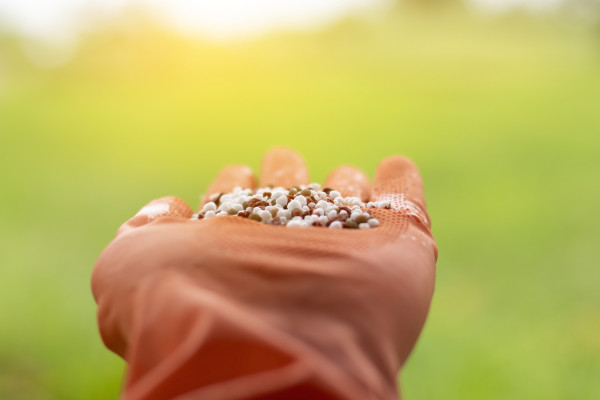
282 201
294 204
210 206
209 214
336 225
300 206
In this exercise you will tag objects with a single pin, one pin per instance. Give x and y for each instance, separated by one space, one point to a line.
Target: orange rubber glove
229 308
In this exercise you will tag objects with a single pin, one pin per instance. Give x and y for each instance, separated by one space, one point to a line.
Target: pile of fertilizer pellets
301 206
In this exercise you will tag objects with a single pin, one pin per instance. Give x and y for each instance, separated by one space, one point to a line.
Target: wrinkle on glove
231 309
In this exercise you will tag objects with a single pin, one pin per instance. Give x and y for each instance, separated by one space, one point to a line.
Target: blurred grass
501 115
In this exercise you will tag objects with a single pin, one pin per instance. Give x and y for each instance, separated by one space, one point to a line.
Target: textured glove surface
228 308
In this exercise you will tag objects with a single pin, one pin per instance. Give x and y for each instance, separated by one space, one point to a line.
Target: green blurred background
500 112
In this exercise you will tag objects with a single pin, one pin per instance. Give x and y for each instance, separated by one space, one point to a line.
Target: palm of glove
229 308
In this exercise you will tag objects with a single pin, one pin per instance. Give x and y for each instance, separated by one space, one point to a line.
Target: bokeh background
104 106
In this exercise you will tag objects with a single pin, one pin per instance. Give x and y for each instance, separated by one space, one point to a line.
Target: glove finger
397 181
165 206
349 181
229 178
283 167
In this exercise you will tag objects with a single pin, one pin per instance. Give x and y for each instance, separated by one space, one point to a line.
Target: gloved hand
229 308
